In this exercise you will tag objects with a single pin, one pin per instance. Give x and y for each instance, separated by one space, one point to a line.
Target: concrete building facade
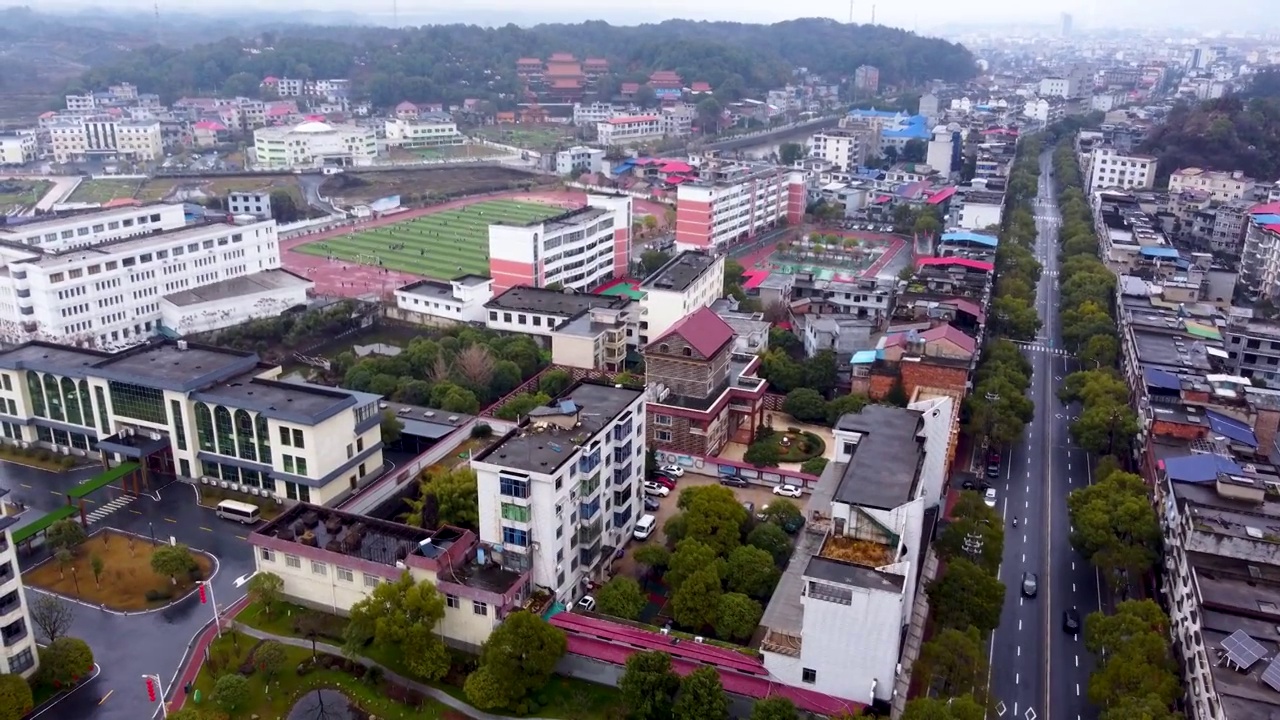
731 204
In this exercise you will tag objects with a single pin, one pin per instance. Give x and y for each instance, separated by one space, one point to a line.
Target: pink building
579 249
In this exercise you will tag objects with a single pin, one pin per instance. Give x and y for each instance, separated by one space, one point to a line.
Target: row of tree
966 600
1136 676
64 661
651 690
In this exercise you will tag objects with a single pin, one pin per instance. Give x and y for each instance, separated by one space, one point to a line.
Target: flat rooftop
424 422
587 406
259 282
103 214
884 469
679 272
1171 350
140 243
523 298
168 366
289 401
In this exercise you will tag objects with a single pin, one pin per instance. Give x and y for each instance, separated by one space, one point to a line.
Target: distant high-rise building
1066 24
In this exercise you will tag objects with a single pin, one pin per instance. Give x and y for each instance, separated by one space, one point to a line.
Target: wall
417 318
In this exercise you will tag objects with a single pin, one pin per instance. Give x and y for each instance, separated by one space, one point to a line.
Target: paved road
1039 671
126 647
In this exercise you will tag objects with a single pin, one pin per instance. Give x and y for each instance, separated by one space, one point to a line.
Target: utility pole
850 12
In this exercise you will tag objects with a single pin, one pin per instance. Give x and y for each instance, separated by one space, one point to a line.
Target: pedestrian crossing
109 508
1037 347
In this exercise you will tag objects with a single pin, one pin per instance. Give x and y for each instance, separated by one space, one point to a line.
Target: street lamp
153 532
206 595
155 691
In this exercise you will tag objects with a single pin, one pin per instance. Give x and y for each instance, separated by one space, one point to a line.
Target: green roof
103 480
27 532
1203 331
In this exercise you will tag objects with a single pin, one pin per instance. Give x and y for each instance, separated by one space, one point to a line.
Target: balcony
14 633
589 554
588 510
588 487
589 533
622 475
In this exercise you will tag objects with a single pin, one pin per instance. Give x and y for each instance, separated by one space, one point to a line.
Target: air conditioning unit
204 481
223 483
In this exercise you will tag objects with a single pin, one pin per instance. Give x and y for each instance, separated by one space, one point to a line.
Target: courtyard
835 257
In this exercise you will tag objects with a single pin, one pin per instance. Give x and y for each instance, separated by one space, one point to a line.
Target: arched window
688 352
664 348
53 396
86 404
244 435
37 394
204 427
264 439
73 402
225 432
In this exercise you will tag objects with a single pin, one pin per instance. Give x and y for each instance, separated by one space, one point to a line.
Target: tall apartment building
1110 168
111 292
18 649
629 129
846 147
837 618
196 411
88 229
560 493
18 148
866 78
732 203
579 249
687 282
106 137
1221 186
1260 257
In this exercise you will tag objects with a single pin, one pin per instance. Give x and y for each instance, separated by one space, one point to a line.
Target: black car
993 470
651 503
733 481
968 485
1071 621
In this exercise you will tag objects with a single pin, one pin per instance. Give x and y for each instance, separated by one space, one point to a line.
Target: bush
247 667
324 626
15 696
67 462
481 431
814 466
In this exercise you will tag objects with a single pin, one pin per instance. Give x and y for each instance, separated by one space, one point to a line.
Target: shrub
480 431
814 466
305 667
67 462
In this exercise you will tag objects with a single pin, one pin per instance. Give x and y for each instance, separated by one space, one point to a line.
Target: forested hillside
1229 133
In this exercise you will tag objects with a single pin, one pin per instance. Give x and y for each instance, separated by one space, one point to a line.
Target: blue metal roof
1266 219
1231 428
863 357
1199 468
1162 252
973 237
1163 379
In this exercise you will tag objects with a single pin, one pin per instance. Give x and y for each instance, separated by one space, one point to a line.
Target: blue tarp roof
1199 468
1266 219
863 357
1163 379
965 236
1231 428
1163 252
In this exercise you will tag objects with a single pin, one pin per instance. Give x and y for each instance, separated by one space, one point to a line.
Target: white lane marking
1077 689
1019 651
1077 661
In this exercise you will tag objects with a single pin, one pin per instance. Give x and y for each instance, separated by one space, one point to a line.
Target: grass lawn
155 189
457 151
126 575
441 245
527 137
105 190
22 192
272 698
562 698
38 458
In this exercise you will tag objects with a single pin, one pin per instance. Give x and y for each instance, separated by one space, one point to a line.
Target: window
302 466
513 487
849 447
297 439
138 402
661 419
288 464
663 435
284 436
293 561
21 662
452 601
518 513
371 580
268 555
319 568
809 675
479 608
515 536
345 574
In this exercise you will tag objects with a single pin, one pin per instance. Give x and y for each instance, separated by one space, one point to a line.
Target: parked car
1071 621
651 503
733 481
664 481
674 471
644 527
990 497
993 470
967 485
1030 584
653 488
791 491
587 603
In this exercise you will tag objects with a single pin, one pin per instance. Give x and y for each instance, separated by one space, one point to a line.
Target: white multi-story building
539 311
732 203
1222 186
629 129
678 119
18 651
432 302
106 137
423 132
111 293
1108 168
314 144
579 158
944 148
217 415
847 148
561 492
596 112
1045 110
836 621
18 148
686 283
77 231
579 249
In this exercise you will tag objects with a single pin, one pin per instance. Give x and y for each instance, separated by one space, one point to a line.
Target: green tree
652 260
554 382
775 707
966 595
506 377
231 693
782 511
521 404
1105 428
621 597
391 428
914 151
654 558
172 561
1100 350
695 604
96 565
460 400
66 660
736 616
64 535
270 658
402 616
51 615
452 493
713 516
701 697
772 539
517 659
15 697
764 452
843 405
1115 527
929 708
649 686
690 557
954 662
751 571
265 589
975 532
805 405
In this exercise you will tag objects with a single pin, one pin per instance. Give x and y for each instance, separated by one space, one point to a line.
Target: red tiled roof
566 83
962 262
269 80
121 202
210 125
941 195
701 87
704 330
675 166
528 61
754 278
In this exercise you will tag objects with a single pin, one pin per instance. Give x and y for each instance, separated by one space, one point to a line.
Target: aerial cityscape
914 362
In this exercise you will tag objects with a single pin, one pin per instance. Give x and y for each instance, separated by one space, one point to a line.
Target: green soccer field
442 245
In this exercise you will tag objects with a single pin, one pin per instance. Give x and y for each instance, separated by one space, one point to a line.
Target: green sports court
441 245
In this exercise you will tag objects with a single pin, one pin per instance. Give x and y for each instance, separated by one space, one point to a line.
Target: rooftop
290 401
884 469
142 242
259 282
425 422
525 298
679 272
552 434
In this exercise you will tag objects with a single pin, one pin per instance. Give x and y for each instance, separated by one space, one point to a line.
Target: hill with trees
1228 133
448 63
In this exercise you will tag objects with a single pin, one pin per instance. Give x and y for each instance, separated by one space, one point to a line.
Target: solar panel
1271 676
1242 650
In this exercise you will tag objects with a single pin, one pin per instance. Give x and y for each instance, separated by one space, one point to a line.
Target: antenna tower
873 14
850 12
157 15
395 14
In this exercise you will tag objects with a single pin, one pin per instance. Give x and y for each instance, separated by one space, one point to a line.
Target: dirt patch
415 186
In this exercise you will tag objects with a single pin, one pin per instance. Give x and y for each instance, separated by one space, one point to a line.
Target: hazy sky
1197 14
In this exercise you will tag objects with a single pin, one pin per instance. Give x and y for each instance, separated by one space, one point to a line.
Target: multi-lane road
1039 671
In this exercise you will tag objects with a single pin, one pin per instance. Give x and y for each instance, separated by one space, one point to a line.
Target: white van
238 511
644 527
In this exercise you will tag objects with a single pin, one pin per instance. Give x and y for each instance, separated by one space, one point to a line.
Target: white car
658 489
990 497
791 491
587 603
674 471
